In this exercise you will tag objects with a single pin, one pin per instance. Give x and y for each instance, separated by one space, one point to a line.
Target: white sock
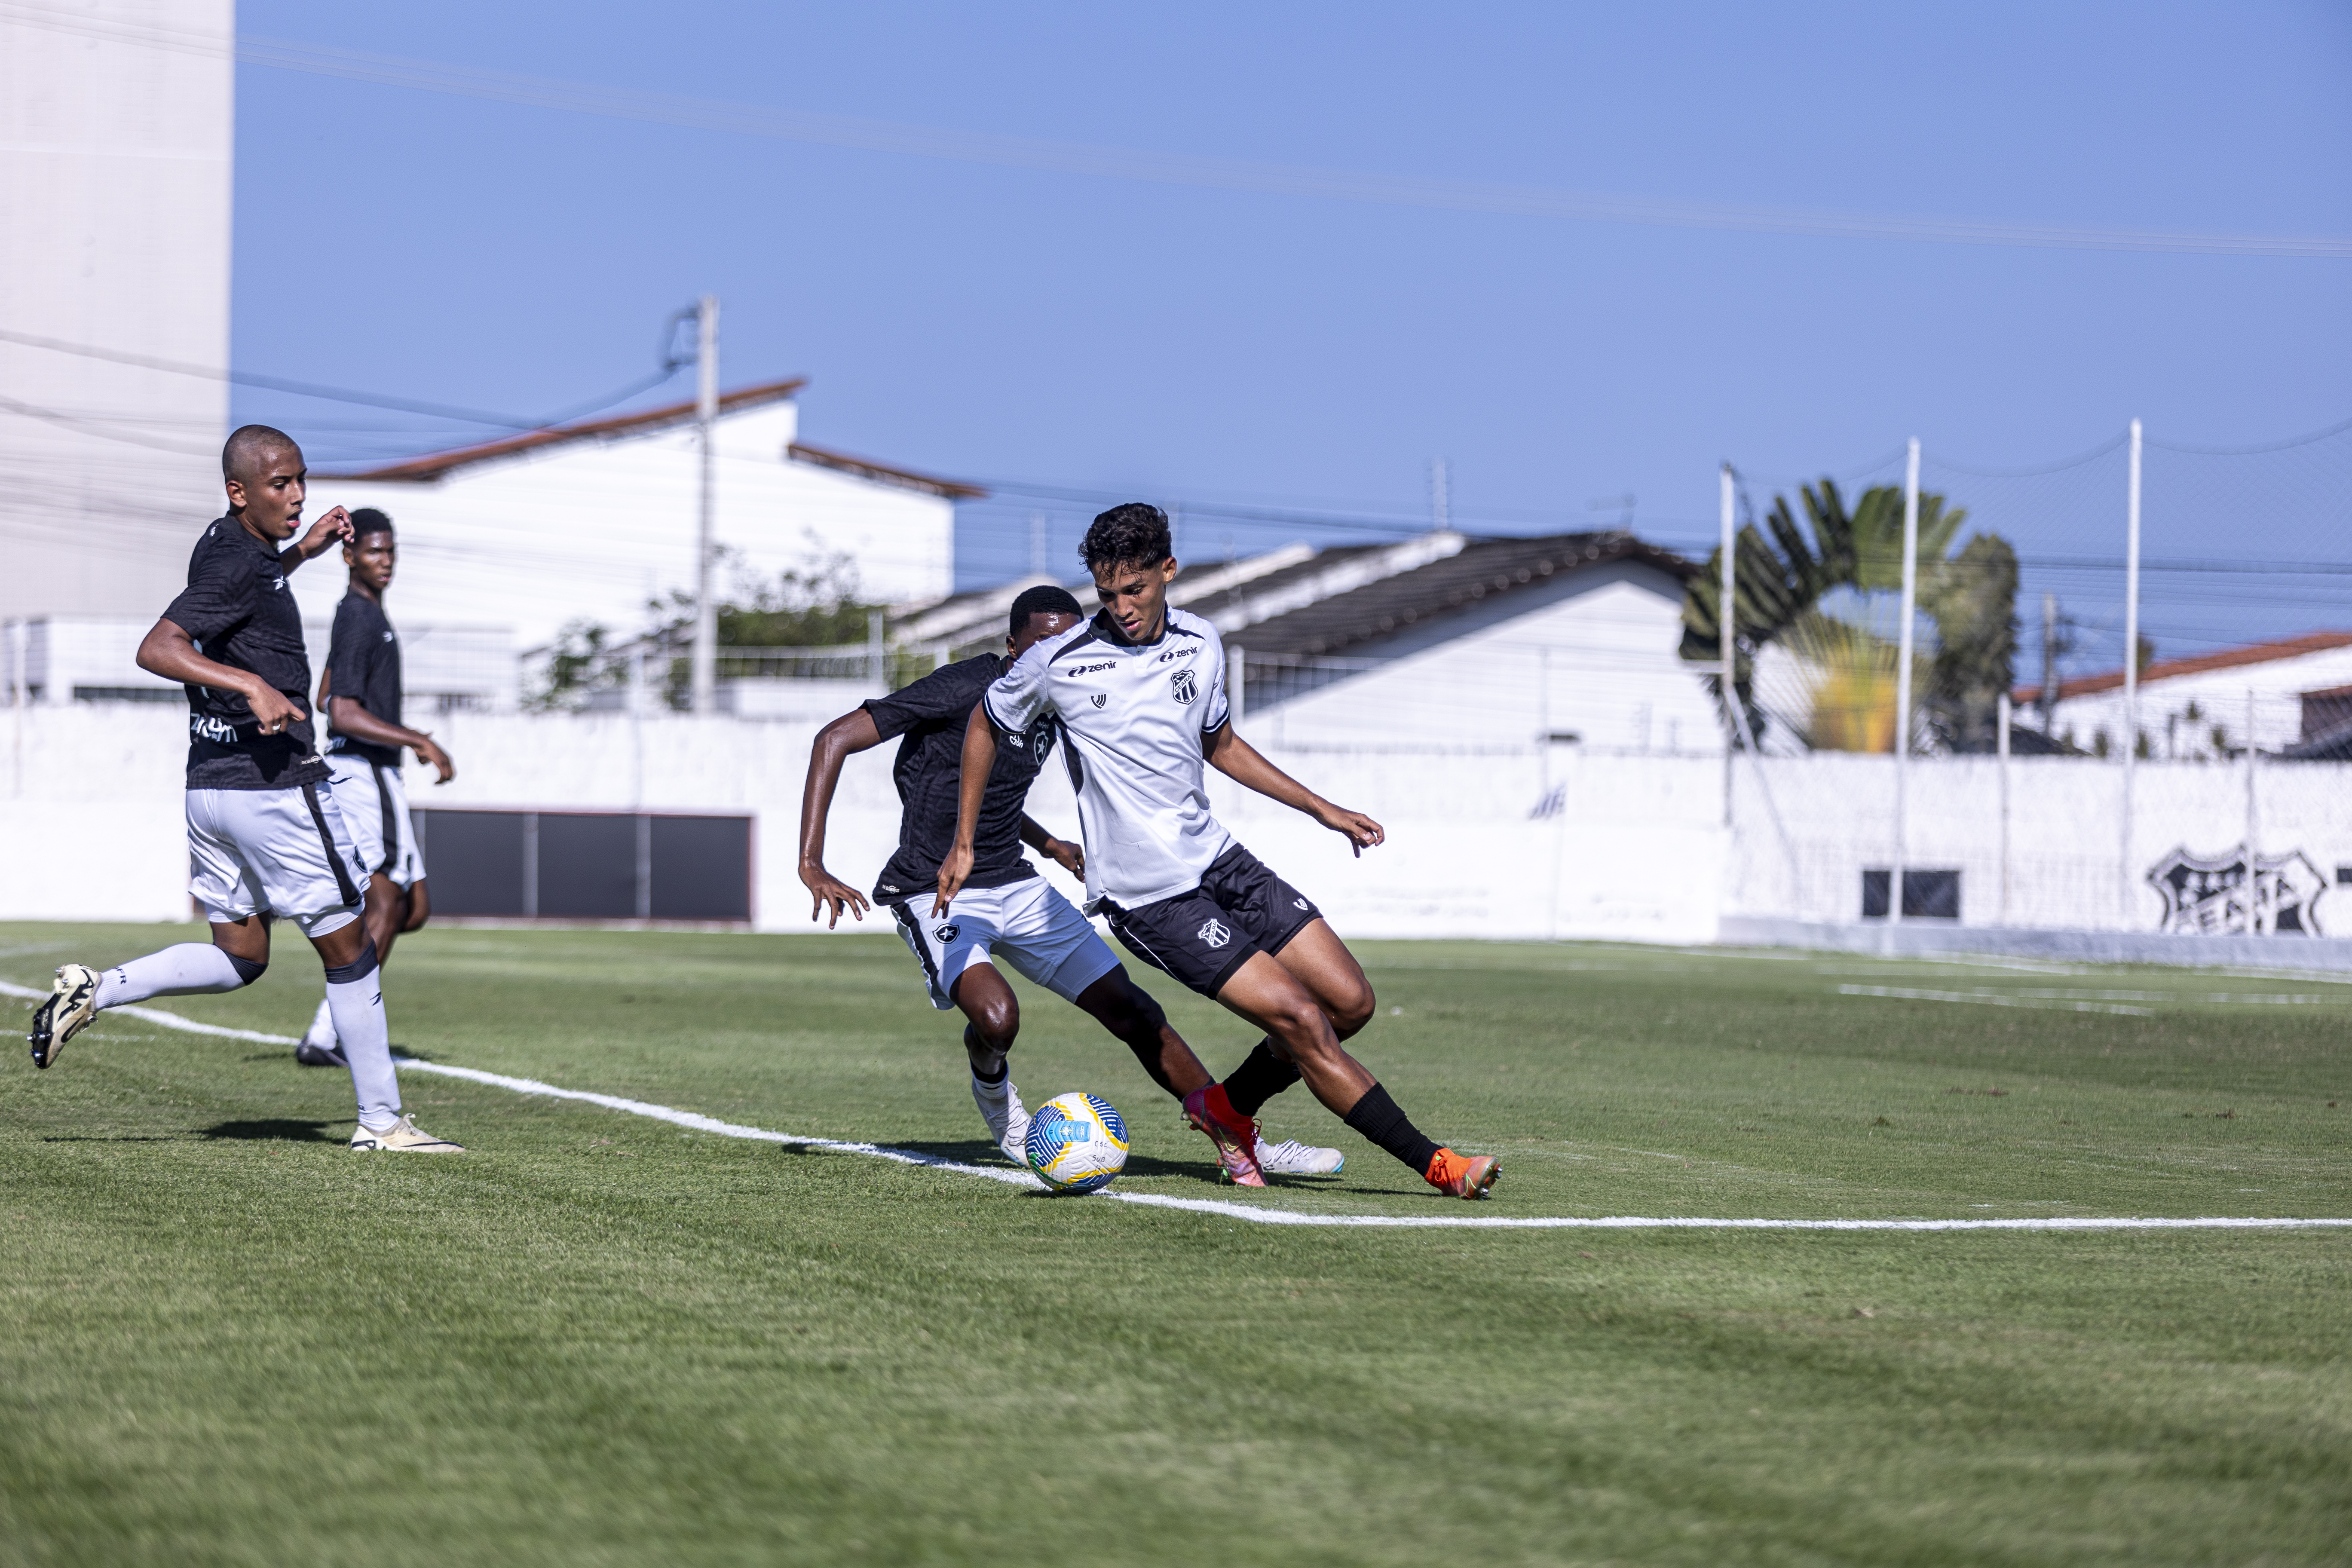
189 969
321 1031
357 1008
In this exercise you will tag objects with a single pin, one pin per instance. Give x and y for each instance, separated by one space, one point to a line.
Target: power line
1163 168
333 394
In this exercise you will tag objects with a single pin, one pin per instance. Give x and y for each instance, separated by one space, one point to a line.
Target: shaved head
249 449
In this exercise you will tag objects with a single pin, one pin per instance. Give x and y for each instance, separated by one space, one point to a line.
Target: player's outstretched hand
1360 831
953 872
834 893
1069 857
431 752
335 528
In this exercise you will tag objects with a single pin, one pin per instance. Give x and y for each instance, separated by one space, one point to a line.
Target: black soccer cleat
311 1055
64 1013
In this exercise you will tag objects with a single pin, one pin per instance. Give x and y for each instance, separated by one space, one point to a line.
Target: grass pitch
598 1340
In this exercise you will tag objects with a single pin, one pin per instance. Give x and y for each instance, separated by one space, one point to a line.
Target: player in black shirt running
264 837
360 692
1006 910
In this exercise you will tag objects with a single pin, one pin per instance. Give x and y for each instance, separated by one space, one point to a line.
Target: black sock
973 1048
1377 1117
1261 1077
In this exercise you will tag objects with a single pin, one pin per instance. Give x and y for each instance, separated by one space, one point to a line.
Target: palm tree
1782 584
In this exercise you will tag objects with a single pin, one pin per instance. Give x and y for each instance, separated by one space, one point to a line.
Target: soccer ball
1077 1144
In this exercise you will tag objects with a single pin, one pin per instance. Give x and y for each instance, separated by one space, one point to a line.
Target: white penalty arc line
701 1123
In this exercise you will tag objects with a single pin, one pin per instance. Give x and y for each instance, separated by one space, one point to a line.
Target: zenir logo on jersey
1214 933
1186 689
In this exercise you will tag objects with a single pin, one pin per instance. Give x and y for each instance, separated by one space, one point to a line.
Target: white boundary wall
1634 849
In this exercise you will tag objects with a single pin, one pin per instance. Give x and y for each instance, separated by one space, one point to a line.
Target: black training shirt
931 714
364 664
241 613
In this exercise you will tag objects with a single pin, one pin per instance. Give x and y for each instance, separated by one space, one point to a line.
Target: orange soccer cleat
1468 1176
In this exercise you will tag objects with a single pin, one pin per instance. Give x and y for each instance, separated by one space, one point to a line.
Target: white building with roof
592 521
2280 693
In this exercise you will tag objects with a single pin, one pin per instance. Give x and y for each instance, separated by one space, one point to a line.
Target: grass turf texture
597 1340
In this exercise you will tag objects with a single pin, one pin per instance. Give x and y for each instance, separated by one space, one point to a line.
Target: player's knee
1353 1010
1302 1027
997 1019
248 970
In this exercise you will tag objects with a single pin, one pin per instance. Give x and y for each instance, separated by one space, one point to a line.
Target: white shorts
1030 924
374 803
277 851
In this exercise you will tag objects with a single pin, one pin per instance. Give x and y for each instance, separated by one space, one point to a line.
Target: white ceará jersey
1134 717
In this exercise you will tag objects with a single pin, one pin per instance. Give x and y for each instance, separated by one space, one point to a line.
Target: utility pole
1440 499
706 609
2049 703
1903 683
1726 633
2131 671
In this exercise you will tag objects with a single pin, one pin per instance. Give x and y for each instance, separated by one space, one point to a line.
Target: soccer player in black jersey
359 693
1005 910
1138 694
264 836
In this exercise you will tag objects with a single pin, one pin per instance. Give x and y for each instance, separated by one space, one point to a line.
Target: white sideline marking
1992 999
702 1123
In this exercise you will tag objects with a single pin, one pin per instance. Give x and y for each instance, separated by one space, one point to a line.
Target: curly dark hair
1130 534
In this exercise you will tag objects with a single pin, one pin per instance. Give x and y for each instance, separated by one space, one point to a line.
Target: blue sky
1245 352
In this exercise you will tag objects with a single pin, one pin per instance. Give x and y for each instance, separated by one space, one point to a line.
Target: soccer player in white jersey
359 693
1139 694
1006 911
264 836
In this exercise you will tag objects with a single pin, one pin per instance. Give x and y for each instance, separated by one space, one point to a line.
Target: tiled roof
2167 669
1484 570
437 465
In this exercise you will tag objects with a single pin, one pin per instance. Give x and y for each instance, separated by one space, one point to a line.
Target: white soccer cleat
66 1011
1007 1118
1289 1158
404 1137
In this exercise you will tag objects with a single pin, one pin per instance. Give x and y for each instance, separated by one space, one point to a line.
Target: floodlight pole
2131 675
2001 745
1903 684
706 412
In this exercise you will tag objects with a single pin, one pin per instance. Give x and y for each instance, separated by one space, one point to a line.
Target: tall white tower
116 141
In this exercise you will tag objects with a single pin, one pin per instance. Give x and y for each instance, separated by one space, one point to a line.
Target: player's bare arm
1246 765
1069 857
167 650
979 762
348 717
853 732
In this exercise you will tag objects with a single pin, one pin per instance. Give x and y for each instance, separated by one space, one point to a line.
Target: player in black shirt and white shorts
1005 910
1139 696
264 836
360 692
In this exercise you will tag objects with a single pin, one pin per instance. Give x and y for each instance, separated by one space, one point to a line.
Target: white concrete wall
1598 661
590 531
115 161
1631 847
2068 864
